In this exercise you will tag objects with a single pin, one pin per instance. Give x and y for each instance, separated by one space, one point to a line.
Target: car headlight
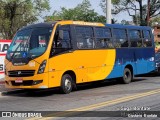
42 67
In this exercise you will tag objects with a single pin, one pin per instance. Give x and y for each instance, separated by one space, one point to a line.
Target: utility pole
108 11
148 13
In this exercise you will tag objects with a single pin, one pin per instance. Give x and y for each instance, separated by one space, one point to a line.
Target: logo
16 64
19 72
6 114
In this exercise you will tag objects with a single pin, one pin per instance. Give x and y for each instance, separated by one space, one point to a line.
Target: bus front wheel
127 76
66 84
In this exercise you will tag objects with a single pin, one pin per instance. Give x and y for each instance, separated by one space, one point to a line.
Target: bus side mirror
61 34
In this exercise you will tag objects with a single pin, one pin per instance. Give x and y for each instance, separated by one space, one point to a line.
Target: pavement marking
98 105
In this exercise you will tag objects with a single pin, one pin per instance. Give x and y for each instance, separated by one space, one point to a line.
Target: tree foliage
15 14
155 20
138 9
82 12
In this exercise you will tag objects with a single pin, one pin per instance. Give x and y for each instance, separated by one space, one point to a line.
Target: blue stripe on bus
141 60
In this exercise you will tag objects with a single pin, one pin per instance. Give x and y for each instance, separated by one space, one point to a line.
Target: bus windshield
29 43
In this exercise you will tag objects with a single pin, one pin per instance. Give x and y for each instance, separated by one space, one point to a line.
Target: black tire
74 86
127 76
158 73
66 84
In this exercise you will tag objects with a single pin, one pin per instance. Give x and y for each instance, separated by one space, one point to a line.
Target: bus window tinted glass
103 32
65 42
61 44
147 38
103 38
84 37
135 38
120 38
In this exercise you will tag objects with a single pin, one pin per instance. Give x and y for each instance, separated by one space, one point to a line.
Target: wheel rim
127 76
68 84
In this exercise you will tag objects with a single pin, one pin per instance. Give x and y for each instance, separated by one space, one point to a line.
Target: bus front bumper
34 82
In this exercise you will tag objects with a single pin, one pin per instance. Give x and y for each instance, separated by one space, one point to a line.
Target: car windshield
29 43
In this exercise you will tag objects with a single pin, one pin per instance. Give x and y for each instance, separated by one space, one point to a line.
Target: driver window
61 44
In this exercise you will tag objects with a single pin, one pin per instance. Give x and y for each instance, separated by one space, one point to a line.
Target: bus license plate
19 80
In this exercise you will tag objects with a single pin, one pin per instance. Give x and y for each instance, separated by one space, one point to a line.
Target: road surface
102 99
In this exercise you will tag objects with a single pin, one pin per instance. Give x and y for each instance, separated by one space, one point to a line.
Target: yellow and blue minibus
66 53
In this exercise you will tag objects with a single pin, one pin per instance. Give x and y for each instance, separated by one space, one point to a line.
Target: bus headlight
42 67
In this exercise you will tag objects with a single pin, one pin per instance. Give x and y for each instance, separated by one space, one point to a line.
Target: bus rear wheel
127 76
66 84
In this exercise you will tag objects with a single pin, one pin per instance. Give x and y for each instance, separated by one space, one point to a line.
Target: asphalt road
102 99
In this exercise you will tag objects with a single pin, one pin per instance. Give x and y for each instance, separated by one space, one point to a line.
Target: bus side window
135 38
65 42
120 38
84 37
147 38
80 41
103 37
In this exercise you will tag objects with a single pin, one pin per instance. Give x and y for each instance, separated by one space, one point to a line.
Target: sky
57 4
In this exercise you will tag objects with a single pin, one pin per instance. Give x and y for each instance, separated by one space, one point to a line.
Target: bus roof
46 25
50 24
87 23
128 26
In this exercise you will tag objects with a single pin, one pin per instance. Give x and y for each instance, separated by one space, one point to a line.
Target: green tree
138 9
14 14
155 20
82 12
125 22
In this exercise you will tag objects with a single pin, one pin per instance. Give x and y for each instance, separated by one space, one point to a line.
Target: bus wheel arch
69 77
127 74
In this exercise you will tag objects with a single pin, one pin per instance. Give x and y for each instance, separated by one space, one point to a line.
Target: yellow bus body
88 65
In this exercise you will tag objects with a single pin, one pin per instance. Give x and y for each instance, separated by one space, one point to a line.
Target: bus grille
21 73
